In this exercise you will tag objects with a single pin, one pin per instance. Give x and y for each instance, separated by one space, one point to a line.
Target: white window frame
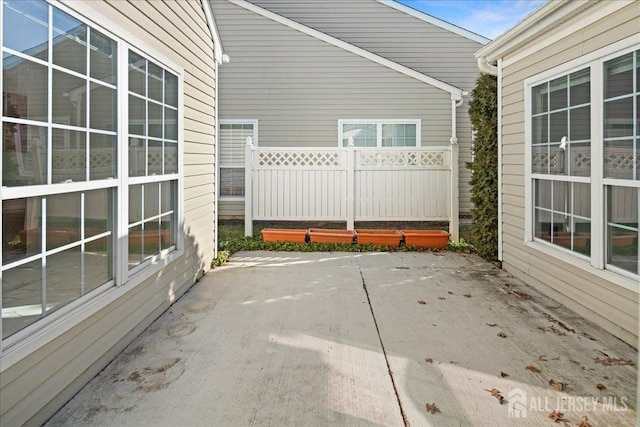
595 264
20 343
254 123
379 123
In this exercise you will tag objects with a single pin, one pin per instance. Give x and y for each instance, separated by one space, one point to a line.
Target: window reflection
622 228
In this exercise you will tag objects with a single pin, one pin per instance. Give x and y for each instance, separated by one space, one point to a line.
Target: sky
489 18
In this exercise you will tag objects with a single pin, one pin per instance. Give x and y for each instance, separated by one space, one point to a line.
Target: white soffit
455 92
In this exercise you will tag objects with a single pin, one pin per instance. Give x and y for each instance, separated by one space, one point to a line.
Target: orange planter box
325 235
293 235
379 237
434 239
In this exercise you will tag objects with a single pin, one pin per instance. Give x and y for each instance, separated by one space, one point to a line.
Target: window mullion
598 205
121 208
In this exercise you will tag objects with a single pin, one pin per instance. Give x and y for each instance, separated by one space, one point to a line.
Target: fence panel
350 184
295 184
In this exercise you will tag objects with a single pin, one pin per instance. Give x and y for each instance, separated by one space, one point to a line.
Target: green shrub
483 110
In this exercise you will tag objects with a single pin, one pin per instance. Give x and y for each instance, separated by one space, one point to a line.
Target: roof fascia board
540 21
215 35
435 21
455 92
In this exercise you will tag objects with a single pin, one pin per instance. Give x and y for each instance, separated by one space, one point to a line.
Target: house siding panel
298 98
36 383
587 293
372 26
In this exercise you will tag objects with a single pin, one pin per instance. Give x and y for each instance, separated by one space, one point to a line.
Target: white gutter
215 36
486 67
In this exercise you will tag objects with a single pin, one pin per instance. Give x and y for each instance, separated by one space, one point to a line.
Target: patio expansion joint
384 352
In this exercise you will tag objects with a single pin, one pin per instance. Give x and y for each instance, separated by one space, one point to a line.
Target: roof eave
540 21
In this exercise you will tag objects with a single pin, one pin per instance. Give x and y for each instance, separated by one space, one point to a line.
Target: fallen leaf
423 302
542 358
557 384
431 407
453 362
558 416
492 324
601 386
467 295
496 393
532 368
584 422
613 361
502 335
503 374
450 293
441 298
428 360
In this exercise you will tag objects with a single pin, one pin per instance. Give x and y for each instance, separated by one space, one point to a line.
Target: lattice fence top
544 160
402 158
620 160
300 158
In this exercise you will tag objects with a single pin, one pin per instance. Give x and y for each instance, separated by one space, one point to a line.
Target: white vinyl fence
351 184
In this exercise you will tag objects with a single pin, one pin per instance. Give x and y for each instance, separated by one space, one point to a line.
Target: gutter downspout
454 208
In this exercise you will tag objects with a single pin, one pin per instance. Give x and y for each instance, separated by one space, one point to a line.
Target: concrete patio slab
361 339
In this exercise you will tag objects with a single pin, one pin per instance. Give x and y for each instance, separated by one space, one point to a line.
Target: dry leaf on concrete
496 393
542 358
558 417
423 302
557 384
431 407
532 368
601 386
584 422
503 374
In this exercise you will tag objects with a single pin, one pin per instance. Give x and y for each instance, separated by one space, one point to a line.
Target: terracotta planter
433 239
324 235
294 235
379 237
563 238
623 240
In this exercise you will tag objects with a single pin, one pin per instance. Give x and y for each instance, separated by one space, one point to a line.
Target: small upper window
380 133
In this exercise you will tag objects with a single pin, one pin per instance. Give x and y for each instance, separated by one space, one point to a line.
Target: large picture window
62 198
568 154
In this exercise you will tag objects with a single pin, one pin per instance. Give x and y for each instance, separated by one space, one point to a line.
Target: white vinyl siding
608 299
298 97
40 373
